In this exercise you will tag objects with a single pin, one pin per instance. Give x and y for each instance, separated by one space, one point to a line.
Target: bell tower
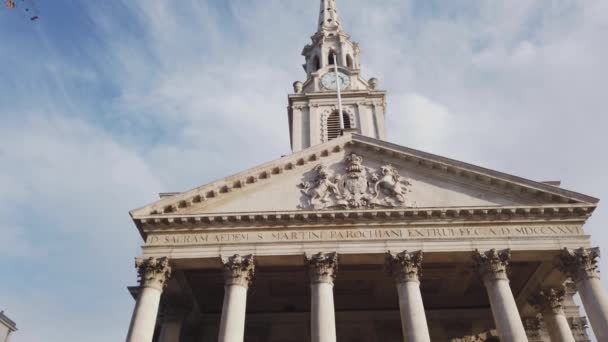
313 107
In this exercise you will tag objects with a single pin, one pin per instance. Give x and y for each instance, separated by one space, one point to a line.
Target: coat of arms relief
356 187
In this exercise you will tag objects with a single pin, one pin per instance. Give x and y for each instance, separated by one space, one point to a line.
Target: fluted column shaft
492 267
558 328
405 268
238 274
153 274
581 265
322 273
549 302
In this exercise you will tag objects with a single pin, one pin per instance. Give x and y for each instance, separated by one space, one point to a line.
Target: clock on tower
313 107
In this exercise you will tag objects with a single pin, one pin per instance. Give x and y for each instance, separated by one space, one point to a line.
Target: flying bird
26 7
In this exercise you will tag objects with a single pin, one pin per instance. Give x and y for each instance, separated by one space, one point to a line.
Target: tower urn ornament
356 187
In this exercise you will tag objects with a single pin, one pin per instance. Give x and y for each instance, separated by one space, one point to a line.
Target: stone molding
580 264
238 270
560 202
493 213
492 264
153 272
549 300
322 267
405 266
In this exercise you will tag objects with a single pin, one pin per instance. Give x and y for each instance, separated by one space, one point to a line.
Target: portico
363 301
432 272
351 238
408 274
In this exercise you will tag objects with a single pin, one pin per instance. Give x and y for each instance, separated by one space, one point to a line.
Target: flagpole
338 83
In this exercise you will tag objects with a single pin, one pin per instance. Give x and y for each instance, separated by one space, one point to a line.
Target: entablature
369 217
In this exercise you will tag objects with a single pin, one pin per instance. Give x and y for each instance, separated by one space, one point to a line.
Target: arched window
330 57
316 63
349 62
333 125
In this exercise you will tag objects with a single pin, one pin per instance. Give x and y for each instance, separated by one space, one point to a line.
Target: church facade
351 238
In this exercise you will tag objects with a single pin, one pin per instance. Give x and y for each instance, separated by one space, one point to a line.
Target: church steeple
330 40
329 19
313 112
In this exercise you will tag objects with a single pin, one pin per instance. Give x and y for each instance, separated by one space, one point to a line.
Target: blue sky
106 103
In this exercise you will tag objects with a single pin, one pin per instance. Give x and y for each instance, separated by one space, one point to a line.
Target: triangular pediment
354 173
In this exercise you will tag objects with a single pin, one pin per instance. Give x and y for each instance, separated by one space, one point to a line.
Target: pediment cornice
454 215
457 171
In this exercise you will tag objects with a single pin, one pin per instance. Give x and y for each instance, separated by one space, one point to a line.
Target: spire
328 16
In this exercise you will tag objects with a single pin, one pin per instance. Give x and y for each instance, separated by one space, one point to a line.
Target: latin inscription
415 233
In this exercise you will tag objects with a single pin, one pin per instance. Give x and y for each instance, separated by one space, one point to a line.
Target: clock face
329 81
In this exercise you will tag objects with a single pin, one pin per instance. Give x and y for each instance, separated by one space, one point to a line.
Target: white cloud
75 187
417 120
198 91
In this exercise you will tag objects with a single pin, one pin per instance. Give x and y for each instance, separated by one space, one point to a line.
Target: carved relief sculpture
580 263
405 266
356 188
322 190
322 267
492 264
390 182
238 270
548 300
153 272
355 184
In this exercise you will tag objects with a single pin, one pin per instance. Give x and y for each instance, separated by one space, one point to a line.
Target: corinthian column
581 265
405 268
549 303
153 274
238 274
322 272
532 327
492 267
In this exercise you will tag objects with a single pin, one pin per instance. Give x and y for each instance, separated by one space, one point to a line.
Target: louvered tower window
333 125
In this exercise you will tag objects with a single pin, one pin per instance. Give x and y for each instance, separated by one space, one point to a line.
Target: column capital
405 266
570 287
580 263
492 264
153 272
532 327
322 267
549 300
579 326
238 270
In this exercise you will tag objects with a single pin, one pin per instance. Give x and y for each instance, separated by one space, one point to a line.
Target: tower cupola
330 40
332 61
328 16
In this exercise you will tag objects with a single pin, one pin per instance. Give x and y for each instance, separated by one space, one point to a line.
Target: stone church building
354 239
